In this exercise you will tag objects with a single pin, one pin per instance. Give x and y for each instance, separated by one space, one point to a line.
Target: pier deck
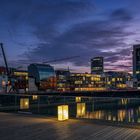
27 127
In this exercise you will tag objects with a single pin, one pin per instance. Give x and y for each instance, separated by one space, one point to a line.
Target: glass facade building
44 75
97 65
136 65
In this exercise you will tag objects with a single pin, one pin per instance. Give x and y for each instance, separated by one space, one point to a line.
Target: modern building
3 82
21 79
63 80
136 65
43 75
87 82
97 65
4 72
118 80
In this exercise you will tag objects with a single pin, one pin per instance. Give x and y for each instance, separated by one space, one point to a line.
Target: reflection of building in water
130 115
121 115
124 101
34 97
122 110
78 99
81 109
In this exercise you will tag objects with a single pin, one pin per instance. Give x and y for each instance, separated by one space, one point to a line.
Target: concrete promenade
27 127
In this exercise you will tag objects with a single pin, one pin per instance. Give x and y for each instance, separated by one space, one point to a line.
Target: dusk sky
41 30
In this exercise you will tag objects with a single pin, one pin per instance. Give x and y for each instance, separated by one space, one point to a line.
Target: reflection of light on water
138 120
24 103
34 97
81 109
121 115
95 115
124 101
78 99
130 115
114 118
109 117
124 110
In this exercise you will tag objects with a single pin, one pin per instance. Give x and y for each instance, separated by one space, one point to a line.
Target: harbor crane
8 73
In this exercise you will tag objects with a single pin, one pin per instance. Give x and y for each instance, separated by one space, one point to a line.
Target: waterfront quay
105 93
26 127
34 116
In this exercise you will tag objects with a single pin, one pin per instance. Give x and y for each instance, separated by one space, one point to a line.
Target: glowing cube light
34 97
78 99
63 112
24 103
81 109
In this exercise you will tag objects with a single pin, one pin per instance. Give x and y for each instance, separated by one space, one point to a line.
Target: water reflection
78 99
24 103
116 110
106 109
81 109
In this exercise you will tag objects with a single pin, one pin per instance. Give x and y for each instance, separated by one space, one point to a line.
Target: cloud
121 14
87 39
66 28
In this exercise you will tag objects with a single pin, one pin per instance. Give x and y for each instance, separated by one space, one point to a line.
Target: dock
30 127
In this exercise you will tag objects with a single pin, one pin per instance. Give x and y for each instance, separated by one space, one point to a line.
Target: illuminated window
113 80
34 97
137 72
3 83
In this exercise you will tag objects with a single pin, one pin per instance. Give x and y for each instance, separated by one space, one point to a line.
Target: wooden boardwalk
21 127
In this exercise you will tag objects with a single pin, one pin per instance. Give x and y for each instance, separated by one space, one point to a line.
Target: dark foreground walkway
19 127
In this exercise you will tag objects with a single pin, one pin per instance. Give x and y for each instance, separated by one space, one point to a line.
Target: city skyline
34 31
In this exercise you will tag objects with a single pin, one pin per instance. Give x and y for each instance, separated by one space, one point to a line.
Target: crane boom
61 59
5 60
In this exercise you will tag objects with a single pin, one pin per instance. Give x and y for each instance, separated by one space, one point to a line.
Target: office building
43 75
21 79
118 80
86 82
136 65
63 77
97 65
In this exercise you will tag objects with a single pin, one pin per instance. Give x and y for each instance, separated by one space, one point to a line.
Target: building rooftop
28 127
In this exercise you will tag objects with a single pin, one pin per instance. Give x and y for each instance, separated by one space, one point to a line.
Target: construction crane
9 77
60 59
6 65
5 60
